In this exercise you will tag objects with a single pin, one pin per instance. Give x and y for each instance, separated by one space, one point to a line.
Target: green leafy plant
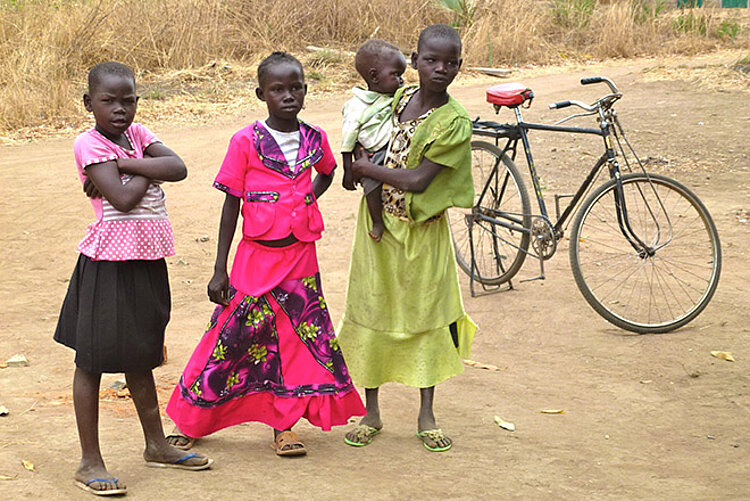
573 13
690 23
463 11
646 11
728 30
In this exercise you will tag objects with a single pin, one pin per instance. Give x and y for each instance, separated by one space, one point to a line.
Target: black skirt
115 313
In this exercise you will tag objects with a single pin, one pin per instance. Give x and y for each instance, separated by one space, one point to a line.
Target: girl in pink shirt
118 301
270 353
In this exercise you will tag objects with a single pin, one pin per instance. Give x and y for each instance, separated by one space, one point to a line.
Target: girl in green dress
404 319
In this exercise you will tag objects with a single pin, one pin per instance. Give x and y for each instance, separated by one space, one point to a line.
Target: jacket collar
309 153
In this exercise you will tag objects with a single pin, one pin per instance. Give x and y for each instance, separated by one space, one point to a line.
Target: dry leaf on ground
552 411
723 355
28 465
480 365
7 477
504 424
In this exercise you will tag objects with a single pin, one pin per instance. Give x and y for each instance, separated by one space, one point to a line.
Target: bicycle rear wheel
642 293
499 252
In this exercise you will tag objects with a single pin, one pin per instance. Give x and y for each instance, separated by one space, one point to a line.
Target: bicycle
644 250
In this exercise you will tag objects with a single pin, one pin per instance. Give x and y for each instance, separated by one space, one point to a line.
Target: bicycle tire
496 261
646 294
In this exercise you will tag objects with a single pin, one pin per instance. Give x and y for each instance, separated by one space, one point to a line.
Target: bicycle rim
498 252
648 294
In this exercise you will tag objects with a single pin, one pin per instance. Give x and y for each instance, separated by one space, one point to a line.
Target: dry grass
199 55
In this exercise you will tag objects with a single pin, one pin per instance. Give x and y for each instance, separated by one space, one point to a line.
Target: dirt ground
645 417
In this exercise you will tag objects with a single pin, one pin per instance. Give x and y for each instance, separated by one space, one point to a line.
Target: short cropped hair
442 31
369 53
97 73
278 57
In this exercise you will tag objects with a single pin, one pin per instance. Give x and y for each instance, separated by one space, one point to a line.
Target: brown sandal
177 436
287 443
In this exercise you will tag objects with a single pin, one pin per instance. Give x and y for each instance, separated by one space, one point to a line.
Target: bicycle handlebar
590 80
561 104
593 80
565 104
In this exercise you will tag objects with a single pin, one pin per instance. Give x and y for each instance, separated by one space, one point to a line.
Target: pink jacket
277 197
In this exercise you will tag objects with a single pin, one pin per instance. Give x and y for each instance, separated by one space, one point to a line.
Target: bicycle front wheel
639 291
500 194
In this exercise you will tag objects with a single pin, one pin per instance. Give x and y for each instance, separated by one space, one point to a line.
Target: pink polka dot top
144 232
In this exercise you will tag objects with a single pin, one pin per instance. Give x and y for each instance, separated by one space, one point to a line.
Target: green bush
573 13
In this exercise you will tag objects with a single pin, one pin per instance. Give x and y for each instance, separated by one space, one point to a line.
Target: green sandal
364 434
434 435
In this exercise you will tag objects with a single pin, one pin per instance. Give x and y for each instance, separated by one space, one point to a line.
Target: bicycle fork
642 249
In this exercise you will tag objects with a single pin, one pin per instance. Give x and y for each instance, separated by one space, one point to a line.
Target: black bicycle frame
519 131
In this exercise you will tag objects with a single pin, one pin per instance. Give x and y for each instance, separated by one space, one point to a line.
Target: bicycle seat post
517 111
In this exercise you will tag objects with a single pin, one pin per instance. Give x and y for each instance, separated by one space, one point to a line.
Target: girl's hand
89 188
358 169
218 288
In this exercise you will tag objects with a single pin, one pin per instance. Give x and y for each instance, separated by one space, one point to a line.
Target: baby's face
388 76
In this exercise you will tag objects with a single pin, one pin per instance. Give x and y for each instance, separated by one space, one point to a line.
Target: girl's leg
362 434
86 404
158 451
426 421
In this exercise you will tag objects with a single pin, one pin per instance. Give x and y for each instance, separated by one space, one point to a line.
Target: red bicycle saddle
509 94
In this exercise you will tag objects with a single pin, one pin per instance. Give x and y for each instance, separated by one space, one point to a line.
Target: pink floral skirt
272 359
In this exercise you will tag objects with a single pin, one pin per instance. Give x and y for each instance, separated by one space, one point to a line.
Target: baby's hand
90 189
360 152
348 182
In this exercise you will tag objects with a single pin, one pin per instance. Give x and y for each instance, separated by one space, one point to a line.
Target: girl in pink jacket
270 353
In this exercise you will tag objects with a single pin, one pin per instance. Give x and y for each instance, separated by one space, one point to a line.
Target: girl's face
113 103
388 78
283 90
437 63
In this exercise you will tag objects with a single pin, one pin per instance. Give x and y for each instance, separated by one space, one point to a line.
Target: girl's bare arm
159 162
321 183
218 287
123 197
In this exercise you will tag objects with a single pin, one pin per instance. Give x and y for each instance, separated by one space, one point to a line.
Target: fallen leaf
723 355
480 365
17 361
119 384
28 465
3 410
504 424
7 477
646 381
552 411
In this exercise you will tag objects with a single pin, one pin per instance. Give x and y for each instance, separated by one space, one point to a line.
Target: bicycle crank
543 239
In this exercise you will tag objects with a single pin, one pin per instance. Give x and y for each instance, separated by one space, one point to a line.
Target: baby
368 118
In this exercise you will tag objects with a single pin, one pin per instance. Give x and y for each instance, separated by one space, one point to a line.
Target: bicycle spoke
676 276
498 251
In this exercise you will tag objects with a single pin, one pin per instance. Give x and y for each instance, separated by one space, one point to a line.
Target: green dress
403 291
